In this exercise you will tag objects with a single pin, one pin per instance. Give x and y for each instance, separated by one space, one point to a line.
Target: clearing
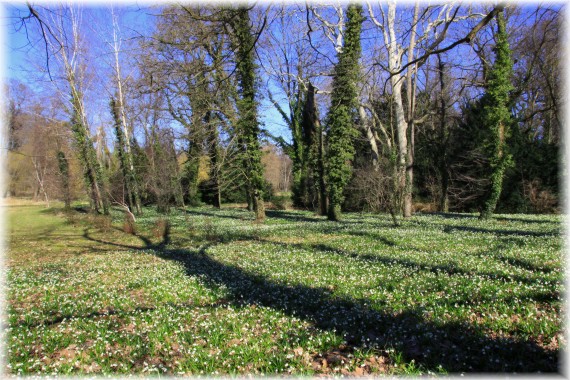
220 294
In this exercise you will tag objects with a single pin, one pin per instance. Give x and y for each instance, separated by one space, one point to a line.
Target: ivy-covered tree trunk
247 124
321 168
408 190
175 180
63 167
306 135
313 140
125 159
190 175
343 113
443 140
164 172
157 165
92 170
214 160
300 187
121 129
158 170
225 91
496 117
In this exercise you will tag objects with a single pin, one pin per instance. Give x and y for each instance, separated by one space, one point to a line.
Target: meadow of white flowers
296 295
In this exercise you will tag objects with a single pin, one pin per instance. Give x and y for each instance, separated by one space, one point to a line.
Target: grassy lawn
221 294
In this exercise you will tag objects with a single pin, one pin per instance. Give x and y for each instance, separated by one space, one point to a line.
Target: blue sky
22 56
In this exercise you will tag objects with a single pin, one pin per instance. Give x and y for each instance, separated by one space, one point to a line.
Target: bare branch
467 39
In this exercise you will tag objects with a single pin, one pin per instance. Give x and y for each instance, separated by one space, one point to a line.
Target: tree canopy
396 108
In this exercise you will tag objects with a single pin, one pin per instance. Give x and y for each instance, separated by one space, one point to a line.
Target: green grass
296 295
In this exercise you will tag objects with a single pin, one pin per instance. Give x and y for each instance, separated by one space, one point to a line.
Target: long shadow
457 347
537 221
216 215
523 264
45 233
450 229
146 241
411 265
277 214
376 236
292 216
503 244
92 250
57 318
82 209
452 215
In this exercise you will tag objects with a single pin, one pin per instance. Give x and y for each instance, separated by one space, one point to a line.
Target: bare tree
60 27
427 29
122 130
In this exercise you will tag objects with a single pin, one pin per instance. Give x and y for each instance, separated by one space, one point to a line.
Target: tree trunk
323 198
497 116
121 121
258 206
122 153
175 184
443 141
411 79
299 189
444 200
402 142
63 166
408 202
370 138
214 161
248 125
192 168
129 169
40 176
343 113
314 161
93 172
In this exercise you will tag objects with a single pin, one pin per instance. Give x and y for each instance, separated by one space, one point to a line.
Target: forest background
158 92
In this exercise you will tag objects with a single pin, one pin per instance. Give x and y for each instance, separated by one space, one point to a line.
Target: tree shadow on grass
523 220
57 317
523 264
44 233
293 217
457 347
219 214
458 215
513 237
355 219
376 236
450 229
413 266
453 215
274 214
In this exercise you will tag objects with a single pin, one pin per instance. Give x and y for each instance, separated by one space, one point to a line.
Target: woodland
269 188
448 108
